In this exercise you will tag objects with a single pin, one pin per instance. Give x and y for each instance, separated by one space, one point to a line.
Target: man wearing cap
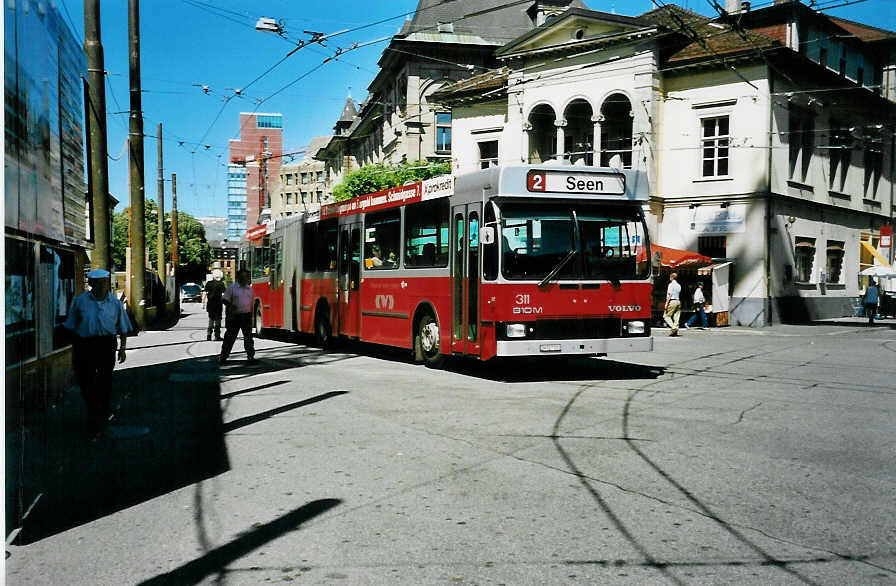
699 308
214 289
96 317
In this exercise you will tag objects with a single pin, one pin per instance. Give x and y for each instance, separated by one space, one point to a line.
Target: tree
195 252
378 177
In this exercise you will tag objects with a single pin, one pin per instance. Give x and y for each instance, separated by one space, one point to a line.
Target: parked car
190 293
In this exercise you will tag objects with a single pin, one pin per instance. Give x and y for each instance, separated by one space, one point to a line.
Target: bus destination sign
595 183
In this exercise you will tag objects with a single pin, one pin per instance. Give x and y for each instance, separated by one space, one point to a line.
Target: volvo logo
624 307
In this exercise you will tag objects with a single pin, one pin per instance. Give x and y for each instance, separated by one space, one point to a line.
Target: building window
715 146
712 246
804 256
320 196
269 122
289 178
443 132
320 175
21 333
874 162
616 132
801 143
834 264
488 154
288 199
304 178
839 155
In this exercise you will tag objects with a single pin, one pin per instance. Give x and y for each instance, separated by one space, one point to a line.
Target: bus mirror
487 235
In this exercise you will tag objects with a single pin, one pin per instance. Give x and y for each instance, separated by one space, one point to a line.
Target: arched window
616 132
542 134
578 138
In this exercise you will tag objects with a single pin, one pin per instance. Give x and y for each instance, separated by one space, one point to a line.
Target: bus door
349 298
465 279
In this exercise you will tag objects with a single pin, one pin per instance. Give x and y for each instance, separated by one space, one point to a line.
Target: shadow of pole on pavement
217 559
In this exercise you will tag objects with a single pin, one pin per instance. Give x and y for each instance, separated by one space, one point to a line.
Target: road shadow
509 370
217 560
167 433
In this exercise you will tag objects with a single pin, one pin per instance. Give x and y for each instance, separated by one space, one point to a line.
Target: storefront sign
713 219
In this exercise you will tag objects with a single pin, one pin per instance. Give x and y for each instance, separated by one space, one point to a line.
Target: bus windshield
609 241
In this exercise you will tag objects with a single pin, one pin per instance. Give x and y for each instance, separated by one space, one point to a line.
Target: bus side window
426 234
309 240
490 251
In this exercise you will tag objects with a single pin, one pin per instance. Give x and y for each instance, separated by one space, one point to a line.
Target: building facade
443 43
301 185
254 165
767 140
47 230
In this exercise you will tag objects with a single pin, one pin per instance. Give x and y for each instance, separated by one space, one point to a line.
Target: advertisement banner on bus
442 186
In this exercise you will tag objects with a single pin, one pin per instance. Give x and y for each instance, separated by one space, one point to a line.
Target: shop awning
672 257
867 246
708 270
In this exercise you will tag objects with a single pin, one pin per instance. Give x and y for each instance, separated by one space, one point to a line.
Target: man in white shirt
239 299
673 304
96 317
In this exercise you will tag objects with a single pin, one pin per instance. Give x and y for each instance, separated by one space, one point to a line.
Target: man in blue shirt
96 317
872 295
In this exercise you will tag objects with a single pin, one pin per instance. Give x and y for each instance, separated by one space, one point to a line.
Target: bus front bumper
589 346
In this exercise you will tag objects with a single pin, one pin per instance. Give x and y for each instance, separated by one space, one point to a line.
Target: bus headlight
634 327
516 330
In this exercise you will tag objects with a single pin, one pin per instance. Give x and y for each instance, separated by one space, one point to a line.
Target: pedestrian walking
673 304
872 296
214 291
699 308
238 299
96 317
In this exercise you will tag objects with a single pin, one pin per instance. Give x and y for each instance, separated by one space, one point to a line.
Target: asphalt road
730 456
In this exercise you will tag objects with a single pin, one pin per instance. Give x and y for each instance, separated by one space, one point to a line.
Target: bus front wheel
426 342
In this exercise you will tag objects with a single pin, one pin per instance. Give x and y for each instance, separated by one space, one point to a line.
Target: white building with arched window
759 148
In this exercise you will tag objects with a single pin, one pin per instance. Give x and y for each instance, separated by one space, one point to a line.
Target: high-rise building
255 159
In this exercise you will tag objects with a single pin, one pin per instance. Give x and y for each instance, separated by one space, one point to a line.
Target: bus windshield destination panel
508 261
541 181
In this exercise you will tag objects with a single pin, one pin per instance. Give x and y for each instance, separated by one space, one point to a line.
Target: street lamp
269 25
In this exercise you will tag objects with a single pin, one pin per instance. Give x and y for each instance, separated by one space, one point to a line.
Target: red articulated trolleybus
507 261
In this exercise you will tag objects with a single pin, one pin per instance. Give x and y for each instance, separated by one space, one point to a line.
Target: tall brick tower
255 159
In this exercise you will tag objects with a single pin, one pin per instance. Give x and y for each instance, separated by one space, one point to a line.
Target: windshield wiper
568 257
550 276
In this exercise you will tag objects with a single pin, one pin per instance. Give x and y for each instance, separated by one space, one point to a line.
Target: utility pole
160 233
95 104
135 149
175 256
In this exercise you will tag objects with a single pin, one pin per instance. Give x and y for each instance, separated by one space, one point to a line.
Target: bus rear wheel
426 342
323 331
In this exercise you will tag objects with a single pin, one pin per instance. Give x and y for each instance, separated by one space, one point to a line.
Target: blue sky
187 44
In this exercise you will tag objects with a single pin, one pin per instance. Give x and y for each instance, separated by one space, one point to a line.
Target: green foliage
193 249
378 177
